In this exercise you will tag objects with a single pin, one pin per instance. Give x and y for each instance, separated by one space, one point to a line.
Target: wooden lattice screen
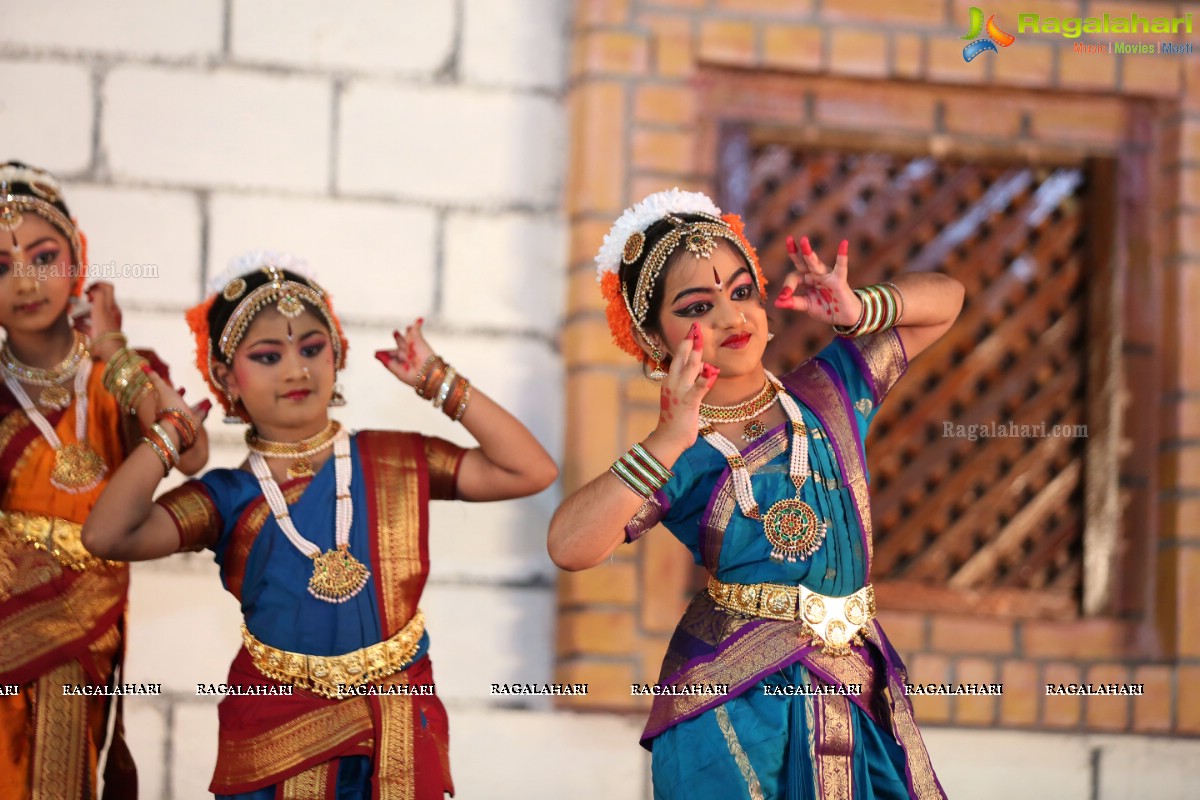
999 520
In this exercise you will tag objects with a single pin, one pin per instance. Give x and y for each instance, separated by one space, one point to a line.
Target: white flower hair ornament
625 243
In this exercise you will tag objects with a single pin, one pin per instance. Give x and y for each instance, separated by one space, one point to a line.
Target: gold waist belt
58 537
328 675
833 622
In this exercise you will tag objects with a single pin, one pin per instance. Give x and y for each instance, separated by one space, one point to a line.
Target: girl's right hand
684 388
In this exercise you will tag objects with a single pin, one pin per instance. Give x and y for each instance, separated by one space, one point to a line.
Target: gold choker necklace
740 412
54 395
299 452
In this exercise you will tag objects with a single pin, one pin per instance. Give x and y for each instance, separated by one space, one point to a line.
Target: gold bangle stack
183 424
126 379
104 337
882 308
440 383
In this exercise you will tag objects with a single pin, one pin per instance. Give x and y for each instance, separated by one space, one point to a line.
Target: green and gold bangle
641 472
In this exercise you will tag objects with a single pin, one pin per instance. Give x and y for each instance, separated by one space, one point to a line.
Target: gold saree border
314 783
833 747
60 747
753 787
394 465
252 759
395 764
884 356
196 517
74 617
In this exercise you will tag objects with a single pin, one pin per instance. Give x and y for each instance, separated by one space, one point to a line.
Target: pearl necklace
53 395
337 575
77 467
792 526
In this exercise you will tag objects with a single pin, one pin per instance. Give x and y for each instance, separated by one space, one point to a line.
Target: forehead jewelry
290 335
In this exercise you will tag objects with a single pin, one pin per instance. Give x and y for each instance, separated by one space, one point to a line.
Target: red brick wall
652 80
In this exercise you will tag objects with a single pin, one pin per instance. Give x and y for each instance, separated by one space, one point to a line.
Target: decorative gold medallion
234 289
44 191
699 243
633 247
337 575
753 430
290 306
77 468
10 217
55 397
300 468
794 530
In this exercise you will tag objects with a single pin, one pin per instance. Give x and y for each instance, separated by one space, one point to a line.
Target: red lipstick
299 394
737 341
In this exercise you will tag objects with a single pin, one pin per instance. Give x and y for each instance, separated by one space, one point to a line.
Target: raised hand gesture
815 289
410 353
684 388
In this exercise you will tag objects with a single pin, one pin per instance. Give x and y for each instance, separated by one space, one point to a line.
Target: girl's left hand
103 316
411 352
822 293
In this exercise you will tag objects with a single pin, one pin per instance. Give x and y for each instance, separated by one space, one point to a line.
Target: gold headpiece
698 238
289 297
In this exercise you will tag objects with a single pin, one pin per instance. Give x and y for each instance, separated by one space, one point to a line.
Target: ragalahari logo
995 36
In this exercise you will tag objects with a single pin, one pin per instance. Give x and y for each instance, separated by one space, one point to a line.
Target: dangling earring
657 373
770 336
232 418
338 400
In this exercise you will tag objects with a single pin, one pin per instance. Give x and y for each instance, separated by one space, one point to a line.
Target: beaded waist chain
331 676
833 622
58 537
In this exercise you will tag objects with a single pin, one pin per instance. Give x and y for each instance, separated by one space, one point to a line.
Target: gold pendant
337 575
77 468
753 429
300 468
794 529
55 397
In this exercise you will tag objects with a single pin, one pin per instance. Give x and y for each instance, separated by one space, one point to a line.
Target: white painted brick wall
222 128
57 136
521 755
130 231
504 270
144 28
518 43
378 260
414 37
449 144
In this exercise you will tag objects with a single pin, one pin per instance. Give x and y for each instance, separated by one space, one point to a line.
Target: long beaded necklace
77 467
748 412
299 453
337 575
793 527
54 394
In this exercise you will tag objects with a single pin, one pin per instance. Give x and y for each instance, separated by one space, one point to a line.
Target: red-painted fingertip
843 248
420 321
791 245
805 246
203 407
182 391
146 368
383 357
786 293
